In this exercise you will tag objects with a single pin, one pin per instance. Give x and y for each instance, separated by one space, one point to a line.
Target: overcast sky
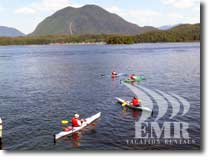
26 14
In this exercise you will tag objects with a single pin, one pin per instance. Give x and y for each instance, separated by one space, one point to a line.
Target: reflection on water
135 114
76 139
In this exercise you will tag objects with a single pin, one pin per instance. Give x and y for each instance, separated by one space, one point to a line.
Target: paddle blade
124 104
64 122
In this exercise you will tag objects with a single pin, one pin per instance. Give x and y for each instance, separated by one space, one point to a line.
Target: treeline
51 39
181 33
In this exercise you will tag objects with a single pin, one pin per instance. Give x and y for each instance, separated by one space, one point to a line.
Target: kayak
88 121
128 80
119 75
137 79
128 104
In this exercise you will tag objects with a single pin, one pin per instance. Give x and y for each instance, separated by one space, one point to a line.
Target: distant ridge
187 27
180 33
89 19
167 27
148 29
10 32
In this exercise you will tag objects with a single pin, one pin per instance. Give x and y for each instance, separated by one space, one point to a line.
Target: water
42 85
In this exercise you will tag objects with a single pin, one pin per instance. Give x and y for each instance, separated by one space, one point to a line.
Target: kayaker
135 102
76 122
114 73
132 76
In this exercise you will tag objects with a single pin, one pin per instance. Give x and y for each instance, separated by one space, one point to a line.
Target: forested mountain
89 19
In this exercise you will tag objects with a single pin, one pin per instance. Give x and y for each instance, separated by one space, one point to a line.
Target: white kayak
88 121
120 75
129 105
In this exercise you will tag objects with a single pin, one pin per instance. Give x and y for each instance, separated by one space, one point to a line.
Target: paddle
64 121
124 104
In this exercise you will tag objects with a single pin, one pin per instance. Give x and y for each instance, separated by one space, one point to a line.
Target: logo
160 126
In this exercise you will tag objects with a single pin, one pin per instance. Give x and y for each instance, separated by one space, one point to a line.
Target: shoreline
97 43
80 43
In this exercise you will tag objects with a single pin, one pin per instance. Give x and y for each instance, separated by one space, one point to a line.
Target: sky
26 14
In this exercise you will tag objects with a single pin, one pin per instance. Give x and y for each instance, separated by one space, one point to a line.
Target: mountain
187 28
89 19
186 32
10 32
166 27
149 29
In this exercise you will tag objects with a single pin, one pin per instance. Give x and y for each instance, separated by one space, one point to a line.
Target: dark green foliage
120 40
49 39
181 33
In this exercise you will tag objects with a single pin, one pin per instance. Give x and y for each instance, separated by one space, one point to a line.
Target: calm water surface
41 85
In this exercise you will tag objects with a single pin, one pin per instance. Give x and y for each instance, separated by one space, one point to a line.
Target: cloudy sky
26 14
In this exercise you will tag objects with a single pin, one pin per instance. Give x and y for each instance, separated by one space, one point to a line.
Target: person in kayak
135 102
76 122
114 73
132 77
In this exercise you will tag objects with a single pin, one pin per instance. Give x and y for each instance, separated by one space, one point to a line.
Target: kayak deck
141 108
88 121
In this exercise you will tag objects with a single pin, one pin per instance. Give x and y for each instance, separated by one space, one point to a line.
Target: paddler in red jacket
114 73
76 122
132 76
135 102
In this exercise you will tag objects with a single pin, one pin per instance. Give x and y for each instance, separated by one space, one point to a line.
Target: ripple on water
42 85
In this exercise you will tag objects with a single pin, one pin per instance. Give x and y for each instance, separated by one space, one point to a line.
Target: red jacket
75 122
132 77
135 102
114 73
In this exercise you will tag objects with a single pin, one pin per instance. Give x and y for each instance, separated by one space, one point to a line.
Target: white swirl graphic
161 102
175 104
162 99
184 102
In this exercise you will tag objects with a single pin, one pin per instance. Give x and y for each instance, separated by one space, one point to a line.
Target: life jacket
132 77
135 102
75 122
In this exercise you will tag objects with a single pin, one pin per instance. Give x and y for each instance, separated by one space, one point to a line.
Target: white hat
76 115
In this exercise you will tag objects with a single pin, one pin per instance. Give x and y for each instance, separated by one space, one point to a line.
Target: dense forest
181 33
50 39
